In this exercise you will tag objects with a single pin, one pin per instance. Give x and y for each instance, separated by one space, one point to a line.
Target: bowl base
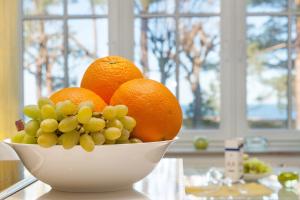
93 190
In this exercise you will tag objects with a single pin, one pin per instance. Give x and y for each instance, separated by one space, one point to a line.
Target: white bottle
234 159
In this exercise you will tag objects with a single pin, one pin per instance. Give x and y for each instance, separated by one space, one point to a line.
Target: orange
155 109
106 74
78 95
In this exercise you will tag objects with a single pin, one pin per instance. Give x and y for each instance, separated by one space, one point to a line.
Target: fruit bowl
255 177
106 168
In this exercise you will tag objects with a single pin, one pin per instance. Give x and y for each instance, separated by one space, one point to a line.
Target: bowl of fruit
103 136
255 169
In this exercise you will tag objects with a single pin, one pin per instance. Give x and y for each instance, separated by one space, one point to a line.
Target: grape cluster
68 124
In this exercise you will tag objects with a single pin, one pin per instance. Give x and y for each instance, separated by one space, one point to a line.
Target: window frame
233 60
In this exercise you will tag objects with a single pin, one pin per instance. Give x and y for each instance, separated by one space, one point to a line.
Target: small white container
234 159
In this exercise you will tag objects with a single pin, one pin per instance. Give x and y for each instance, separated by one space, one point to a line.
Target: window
232 64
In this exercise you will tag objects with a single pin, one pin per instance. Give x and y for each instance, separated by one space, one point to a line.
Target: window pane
296 72
155 49
154 6
199 71
267 72
87 7
43 58
199 6
43 7
88 40
267 5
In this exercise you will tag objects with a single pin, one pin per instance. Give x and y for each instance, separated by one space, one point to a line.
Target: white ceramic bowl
255 177
106 168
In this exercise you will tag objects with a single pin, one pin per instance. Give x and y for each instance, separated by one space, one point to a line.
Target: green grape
86 142
47 140
49 125
44 101
32 111
67 108
112 133
18 138
110 142
128 122
68 124
97 114
48 112
87 103
115 123
60 139
70 139
28 139
124 136
109 112
135 140
39 132
32 127
84 114
98 138
94 125
121 110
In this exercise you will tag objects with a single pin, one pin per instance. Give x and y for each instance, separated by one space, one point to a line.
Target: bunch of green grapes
68 125
256 166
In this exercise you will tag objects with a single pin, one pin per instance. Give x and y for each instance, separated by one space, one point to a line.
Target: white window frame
233 113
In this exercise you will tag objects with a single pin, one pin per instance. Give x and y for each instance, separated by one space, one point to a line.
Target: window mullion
289 79
66 44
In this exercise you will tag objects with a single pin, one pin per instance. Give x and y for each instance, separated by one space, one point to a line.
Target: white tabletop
164 183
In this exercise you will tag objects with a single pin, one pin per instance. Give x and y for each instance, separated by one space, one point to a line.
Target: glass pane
154 6
43 58
267 5
88 40
199 6
87 7
200 71
267 72
155 49
296 72
43 7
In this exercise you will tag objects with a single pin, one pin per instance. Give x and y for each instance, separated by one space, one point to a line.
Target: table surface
166 182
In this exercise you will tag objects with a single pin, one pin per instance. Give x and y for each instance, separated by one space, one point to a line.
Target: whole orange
78 95
156 110
106 74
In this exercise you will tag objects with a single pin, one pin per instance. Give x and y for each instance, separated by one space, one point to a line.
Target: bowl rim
9 142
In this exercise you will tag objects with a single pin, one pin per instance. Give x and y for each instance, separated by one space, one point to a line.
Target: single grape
47 140
115 123
70 139
110 142
112 133
32 127
109 112
128 122
88 104
68 124
44 101
67 108
39 132
60 139
86 142
98 138
94 125
124 136
121 110
32 111
18 138
122 141
28 139
135 140
49 125
84 114
48 112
